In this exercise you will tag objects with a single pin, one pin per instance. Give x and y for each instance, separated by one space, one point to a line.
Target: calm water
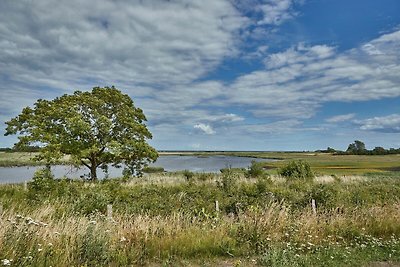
169 163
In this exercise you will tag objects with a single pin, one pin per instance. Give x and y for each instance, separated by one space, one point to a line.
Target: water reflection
169 163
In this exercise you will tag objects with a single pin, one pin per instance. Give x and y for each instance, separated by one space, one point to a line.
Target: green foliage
188 175
255 170
229 180
155 222
203 177
356 148
42 183
93 248
262 184
96 128
297 170
150 169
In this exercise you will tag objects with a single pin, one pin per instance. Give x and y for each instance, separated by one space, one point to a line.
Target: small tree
95 128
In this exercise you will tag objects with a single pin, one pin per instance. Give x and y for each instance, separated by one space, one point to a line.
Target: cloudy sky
216 74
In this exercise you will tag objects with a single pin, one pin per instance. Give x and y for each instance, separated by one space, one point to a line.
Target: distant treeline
358 148
22 149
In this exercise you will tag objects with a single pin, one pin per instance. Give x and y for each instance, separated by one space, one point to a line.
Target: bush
203 177
188 175
228 181
297 170
150 169
255 170
42 183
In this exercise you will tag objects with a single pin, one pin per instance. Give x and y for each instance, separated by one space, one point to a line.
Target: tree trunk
93 168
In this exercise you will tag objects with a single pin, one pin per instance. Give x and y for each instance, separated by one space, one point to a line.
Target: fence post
109 211
1 209
216 206
314 206
26 185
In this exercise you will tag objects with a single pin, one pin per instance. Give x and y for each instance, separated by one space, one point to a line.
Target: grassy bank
326 163
169 220
14 159
322 163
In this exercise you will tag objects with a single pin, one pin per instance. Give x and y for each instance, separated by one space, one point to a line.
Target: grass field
168 220
171 219
322 163
325 163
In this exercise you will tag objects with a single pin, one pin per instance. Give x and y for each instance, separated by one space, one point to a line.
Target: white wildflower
6 262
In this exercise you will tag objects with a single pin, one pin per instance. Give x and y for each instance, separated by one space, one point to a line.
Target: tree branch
84 163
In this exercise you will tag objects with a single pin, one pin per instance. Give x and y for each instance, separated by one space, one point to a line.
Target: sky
215 74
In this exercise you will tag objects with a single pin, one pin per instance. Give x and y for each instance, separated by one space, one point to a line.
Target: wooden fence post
109 211
314 206
26 185
216 206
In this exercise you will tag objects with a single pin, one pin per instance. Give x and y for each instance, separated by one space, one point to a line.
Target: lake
169 163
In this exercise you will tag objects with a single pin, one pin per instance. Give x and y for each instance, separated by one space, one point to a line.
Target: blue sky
216 74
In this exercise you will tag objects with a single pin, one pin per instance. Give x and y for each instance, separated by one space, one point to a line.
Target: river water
169 163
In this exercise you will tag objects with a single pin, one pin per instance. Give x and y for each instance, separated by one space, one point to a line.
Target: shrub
228 181
188 175
203 177
150 169
297 170
255 170
42 183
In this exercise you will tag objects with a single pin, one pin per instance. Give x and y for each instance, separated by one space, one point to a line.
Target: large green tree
95 128
357 147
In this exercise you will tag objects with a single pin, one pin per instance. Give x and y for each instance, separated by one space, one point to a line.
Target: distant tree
96 128
379 151
357 147
330 150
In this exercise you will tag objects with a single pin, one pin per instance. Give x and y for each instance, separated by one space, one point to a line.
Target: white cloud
137 42
207 129
298 81
299 54
340 118
159 52
386 124
371 50
275 12
229 117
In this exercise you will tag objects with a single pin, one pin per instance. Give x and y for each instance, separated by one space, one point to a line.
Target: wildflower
6 262
39 249
123 239
50 244
92 222
32 222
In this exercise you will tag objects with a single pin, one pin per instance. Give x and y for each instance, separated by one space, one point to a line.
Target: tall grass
165 223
